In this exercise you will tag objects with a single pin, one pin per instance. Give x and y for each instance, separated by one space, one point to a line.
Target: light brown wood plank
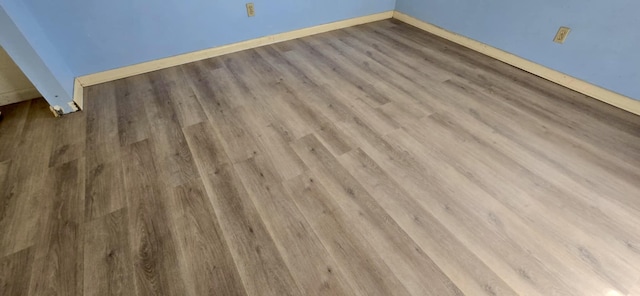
404 113
70 140
171 152
204 143
4 174
303 90
204 255
258 261
371 68
311 265
67 185
387 52
11 127
364 268
57 267
327 97
102 125
464 269
274 145
560 216
26 186
264 83
340 73
154 255
15 272
563 139
530 157
58 264
107 256
496 234
403 256
344 109
104 191
237 140
573 159
129 94
185 103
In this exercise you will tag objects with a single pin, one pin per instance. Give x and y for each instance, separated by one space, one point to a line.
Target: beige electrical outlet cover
562 34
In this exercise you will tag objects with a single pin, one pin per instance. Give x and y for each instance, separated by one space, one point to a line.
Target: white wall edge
581 86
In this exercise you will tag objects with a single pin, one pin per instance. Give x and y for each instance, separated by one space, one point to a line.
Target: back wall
94 36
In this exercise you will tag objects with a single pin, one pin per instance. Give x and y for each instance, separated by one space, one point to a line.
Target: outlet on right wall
603 47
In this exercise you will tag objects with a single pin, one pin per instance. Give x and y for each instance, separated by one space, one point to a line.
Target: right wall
603 47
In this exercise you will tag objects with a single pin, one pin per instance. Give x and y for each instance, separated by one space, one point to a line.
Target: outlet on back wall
562 34
250 10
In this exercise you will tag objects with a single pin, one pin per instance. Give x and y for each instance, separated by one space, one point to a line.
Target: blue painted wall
603 47
38 59
72 38
94 36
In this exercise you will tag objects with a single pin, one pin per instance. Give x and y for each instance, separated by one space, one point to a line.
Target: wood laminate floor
373 160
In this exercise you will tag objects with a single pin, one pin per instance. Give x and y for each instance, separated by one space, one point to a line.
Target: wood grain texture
108 257
311 265
104 190
400 253
154 255
69 143
25 182
14 120
466 271
366 270
373 160
128 92
205 257
58 258
15 272
257 258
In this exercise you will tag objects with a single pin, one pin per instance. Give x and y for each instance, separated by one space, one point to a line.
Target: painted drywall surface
11 78
95 36
30 50
601 49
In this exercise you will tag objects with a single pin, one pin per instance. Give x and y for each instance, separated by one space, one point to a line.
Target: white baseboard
110 75
18 96
576 84
78 93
